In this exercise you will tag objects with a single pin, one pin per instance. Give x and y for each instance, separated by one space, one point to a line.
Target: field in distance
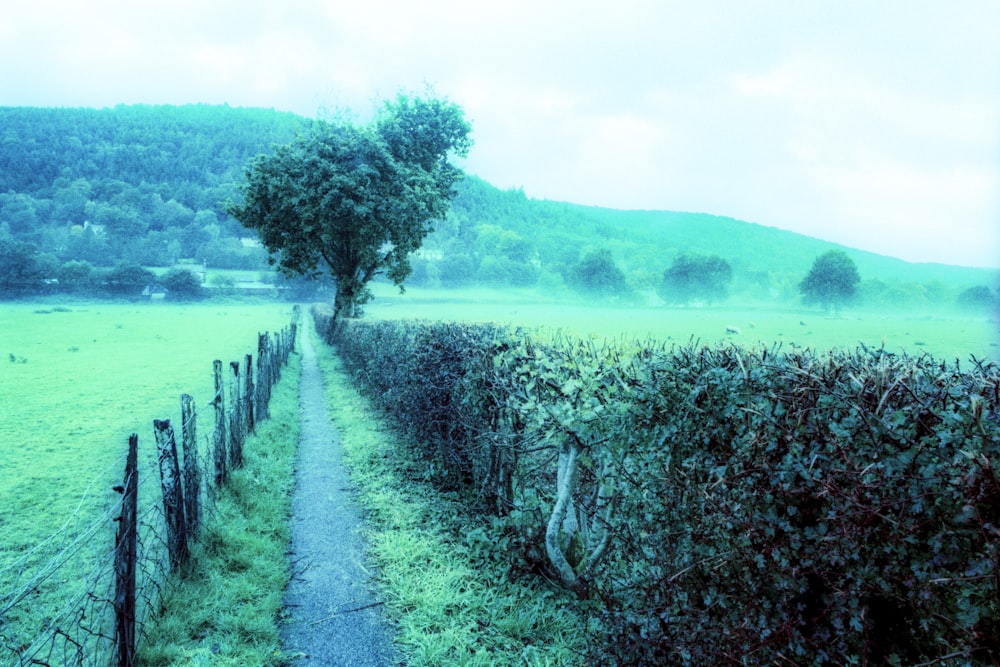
947 335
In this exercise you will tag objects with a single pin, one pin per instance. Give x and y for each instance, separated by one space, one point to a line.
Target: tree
598 274
128 279
76 276
832 281
696 277
354 201
182 285
979 297
20 269
18 210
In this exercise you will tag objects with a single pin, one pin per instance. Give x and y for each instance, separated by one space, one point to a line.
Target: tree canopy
353 201
597 274
832 281
691 277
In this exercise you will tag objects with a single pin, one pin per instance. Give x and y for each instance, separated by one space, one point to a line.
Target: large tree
832 281
597 274
696 277
354 201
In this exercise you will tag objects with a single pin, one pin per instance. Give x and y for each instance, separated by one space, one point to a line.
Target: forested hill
147 185
200 145
512 239
144 184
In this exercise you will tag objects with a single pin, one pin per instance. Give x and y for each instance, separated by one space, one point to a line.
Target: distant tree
18 210
598 274
128 279
832 282
70 201
456 269
979 297
76 276
182 285
692 277
121 223
21 271
356 201
297 288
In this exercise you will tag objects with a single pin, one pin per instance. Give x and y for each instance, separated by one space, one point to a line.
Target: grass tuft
450 596
227 610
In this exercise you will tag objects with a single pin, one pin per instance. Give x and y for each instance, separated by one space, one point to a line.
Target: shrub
182 285
128 279
718 505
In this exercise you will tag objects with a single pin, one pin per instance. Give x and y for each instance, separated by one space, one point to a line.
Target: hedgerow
718 505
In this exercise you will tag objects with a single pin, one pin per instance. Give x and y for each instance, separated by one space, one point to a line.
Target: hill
503 238
147 185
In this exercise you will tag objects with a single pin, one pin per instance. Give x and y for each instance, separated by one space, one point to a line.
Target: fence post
173 496
192 474
235 419
263 378
248 394
125 559
220 438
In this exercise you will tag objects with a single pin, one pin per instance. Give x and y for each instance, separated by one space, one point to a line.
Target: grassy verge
228 610
445 585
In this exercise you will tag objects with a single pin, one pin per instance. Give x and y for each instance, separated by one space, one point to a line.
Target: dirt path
334 617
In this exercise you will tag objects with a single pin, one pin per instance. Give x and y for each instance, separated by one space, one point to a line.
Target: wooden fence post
235 419
220 438
125 558
192 473
263 377
248 394
173 496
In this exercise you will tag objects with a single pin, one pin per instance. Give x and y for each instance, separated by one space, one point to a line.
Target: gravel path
334 616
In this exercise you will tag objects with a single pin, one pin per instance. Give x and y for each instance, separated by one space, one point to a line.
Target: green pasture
946 334
74 382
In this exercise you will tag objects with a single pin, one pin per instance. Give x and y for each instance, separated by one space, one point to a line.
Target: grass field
947 335
74 382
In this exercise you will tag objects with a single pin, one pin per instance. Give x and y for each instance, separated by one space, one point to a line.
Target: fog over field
942 332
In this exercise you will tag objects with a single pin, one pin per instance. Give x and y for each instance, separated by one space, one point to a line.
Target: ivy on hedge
718 505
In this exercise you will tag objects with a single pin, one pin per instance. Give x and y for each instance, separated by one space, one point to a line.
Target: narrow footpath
334 618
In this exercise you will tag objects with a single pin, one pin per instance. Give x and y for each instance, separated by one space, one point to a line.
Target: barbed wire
81 629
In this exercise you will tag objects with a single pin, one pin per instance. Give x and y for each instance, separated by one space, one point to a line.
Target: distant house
98 230
429 255
250 242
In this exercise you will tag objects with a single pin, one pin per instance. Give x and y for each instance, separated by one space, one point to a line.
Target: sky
874 124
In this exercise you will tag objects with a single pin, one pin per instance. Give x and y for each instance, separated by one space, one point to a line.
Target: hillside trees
832 282
354 201
690 277
109 185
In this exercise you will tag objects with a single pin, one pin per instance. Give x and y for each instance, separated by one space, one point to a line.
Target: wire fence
109 596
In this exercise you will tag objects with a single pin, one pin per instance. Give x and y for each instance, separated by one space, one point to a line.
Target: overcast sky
872 123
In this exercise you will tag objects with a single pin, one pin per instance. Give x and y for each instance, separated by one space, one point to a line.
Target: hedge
718 505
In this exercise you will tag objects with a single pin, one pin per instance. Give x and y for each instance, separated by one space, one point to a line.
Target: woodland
84 192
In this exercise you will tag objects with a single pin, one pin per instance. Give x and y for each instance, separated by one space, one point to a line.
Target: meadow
945 334
74 382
